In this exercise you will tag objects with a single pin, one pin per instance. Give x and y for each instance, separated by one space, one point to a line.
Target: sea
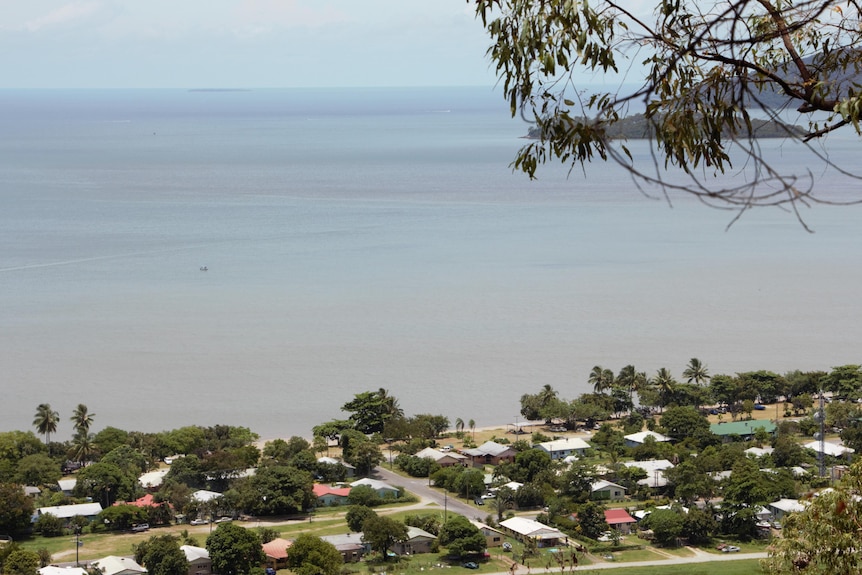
258 257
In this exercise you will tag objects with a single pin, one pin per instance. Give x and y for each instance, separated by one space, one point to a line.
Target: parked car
199 521
759 406
140 527
223 520
730 549
479 501
470 565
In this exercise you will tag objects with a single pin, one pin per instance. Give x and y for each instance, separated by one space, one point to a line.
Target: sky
241 44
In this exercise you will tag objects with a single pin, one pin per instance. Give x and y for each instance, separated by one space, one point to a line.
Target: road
429 496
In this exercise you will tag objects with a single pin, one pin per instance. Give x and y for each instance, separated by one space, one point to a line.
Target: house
524 529
199 560
328 496
490 453
637 439
493 537
202 495
418 541
782 507
654 469
88 510
350 545
832 449
276 553
54 570
443 459
759 451
32 491
620 520
562 448
67 486
607 491
745 430
382 488
350 471
153 479
114 565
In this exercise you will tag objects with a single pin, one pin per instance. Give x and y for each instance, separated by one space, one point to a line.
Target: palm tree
472 425
82 447
601 379
665 383
632 379
459 427
46 421
696 372
82 419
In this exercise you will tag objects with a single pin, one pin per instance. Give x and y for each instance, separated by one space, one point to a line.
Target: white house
114 565
199 560
639 438
443 459
382 488
54 570
782 507
88 510
654 469
351 470
832 449
202 495
565 447
543 535
152 479
607 491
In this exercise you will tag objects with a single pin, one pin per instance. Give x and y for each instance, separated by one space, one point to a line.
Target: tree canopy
700 72
234 550
310 555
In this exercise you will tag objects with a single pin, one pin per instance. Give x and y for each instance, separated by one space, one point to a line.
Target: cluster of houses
197 557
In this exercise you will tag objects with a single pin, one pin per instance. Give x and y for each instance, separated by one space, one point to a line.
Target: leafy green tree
689 482
382 533
703 69
161 555
234 550
683 422
576 481
591 520
121 517
106 483
38 469
277 490
528 464
16 509
364 495
699 525
21 562
370 410
45 421
429 522
823 538
844 381
361 452
49 525
110 438
428 426
127 458
724 389
187 470
666 524
461 537
310 555
357 515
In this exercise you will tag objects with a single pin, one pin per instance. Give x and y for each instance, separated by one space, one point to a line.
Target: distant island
637 127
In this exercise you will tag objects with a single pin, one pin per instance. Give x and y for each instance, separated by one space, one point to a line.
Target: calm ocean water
357 239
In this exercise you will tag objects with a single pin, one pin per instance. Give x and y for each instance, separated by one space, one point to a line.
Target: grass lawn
744 567
636 555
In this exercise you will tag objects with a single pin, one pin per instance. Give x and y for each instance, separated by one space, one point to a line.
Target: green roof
746 427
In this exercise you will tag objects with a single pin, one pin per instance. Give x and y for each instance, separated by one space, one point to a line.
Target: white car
199 521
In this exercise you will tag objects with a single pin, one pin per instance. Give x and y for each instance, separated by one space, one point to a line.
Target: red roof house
620 520
328 495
